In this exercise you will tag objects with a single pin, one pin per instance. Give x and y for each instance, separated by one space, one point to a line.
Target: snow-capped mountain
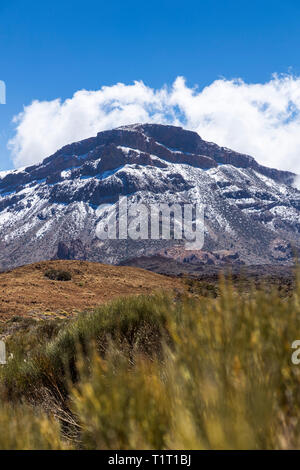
51 210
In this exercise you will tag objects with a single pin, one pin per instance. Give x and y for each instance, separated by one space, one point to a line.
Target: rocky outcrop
74 249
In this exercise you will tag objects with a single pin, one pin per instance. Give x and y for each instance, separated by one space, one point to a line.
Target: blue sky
52 49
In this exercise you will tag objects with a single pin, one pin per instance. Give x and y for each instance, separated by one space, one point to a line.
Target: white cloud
262 120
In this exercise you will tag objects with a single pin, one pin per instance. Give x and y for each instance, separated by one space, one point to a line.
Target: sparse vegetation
27 292
160 373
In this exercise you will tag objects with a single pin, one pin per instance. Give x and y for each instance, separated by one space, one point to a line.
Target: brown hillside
27 292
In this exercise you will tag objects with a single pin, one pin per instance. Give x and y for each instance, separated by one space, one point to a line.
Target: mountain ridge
211 153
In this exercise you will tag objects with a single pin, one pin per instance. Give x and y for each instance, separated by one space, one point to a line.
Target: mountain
27 292
52 210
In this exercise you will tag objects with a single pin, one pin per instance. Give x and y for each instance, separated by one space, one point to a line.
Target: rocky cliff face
51 210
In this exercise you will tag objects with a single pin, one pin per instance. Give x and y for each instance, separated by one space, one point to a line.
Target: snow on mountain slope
51 210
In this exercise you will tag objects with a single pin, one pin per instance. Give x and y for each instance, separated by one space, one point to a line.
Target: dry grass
26 291
158 373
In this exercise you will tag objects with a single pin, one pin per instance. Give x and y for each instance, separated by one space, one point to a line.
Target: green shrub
132 324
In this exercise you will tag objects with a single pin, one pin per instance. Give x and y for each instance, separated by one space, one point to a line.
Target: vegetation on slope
160 373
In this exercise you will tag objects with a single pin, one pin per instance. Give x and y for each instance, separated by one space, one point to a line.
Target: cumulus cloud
262 120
